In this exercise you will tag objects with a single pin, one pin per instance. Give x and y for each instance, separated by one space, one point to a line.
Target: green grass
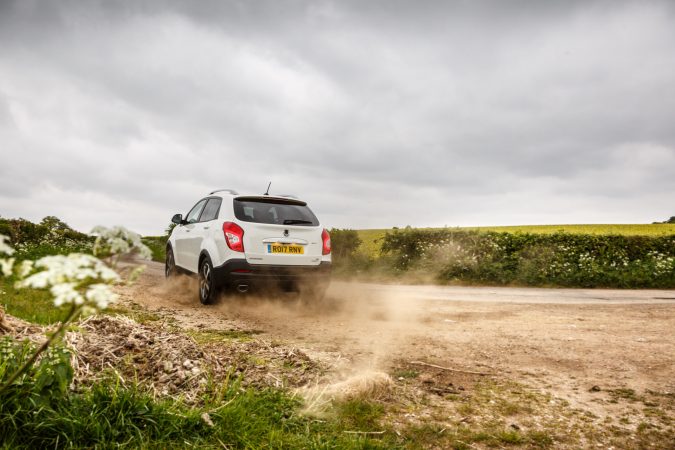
33 305
109 415
359 415
218 336
371 241
372 238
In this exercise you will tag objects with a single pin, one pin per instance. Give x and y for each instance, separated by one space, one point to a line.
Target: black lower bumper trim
238 272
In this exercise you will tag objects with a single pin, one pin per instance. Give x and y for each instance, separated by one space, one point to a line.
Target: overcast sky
378 113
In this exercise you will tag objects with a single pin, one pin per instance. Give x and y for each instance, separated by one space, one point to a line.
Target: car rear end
274 242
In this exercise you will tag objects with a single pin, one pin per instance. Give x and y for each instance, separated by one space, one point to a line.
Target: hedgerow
50 236
560 259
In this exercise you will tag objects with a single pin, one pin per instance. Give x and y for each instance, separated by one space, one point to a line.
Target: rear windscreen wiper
296 221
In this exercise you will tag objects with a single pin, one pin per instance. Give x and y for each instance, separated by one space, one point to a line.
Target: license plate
286 249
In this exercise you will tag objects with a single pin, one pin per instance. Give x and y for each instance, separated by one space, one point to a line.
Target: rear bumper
239 272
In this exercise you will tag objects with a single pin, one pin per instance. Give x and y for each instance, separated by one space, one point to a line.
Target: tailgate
279 231
282 244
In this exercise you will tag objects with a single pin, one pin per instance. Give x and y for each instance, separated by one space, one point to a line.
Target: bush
561 259
344 243
346 257
51 236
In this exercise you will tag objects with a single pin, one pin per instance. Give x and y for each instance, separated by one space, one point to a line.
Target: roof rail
229 191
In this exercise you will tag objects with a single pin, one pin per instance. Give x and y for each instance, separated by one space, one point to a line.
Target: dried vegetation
171 363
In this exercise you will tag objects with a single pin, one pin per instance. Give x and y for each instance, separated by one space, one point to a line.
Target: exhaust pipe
243 288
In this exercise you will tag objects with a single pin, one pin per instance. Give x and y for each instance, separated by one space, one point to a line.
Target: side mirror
177 219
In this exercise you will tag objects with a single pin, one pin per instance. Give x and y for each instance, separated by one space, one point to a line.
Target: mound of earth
171 363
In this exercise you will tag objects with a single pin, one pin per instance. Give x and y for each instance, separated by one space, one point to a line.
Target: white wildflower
118 240
25 268
75 267
6 266
101 295
65 276
66 294
4 245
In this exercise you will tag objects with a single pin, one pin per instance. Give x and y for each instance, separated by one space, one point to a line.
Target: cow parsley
118 241
73 267
72 279
4 245
6 264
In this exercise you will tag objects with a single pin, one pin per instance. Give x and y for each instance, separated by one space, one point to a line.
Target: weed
215 336
509 437
466 409
625 394
136 312
509 408
539 439
359 414
405 373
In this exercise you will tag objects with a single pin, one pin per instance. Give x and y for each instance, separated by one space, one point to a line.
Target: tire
207 290
170 264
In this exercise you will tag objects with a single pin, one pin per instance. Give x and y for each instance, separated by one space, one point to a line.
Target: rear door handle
206 228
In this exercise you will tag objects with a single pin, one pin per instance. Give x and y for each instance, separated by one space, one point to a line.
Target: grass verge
32 305
110 415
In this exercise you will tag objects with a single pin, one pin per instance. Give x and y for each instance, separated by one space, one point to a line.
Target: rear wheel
169 264
207 291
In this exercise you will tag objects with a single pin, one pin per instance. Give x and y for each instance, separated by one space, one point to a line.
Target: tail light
234 236
325 237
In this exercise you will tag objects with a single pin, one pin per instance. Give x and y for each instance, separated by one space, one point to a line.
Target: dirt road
567 339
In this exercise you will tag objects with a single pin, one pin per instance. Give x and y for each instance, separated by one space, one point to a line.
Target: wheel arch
202 256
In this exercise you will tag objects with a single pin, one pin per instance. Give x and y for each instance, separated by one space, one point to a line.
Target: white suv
240 242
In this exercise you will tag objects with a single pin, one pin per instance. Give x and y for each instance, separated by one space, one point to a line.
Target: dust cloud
367 328
180 289
373 324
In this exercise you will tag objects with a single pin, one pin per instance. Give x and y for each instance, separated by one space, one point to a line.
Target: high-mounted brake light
325 237
234 236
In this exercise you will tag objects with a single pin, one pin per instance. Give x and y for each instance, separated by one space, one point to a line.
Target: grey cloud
424 111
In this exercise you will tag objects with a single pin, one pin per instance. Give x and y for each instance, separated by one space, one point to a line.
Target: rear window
273 211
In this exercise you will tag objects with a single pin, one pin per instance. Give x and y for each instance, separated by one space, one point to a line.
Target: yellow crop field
372 239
